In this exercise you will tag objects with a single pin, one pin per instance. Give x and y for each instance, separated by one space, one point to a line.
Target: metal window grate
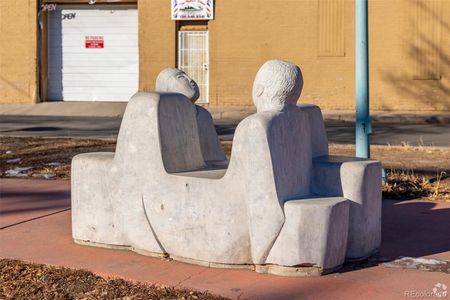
193 58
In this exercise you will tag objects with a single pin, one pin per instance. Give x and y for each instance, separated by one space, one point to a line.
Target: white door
193 58
93 53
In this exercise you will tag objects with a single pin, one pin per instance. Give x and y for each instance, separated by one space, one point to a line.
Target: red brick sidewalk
38 230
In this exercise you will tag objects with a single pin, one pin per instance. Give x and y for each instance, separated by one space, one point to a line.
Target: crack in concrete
189 277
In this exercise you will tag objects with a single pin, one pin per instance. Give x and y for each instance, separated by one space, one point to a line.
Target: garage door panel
94 71
95 62
74 76
94 80
95 89
74 37
124 71
123 29
116 97
77 42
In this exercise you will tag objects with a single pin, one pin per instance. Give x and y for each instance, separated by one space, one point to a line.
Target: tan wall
242 39
157 47
409 37
245 33
18 63
409 49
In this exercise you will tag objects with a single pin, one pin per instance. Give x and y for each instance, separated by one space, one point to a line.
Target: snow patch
425 264
17 172
44 175
13 161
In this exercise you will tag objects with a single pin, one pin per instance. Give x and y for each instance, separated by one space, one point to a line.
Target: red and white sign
94 42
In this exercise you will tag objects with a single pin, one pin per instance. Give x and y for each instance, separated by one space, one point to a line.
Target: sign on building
192 9
94 42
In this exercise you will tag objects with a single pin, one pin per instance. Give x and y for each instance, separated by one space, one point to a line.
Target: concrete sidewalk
220 114
36 228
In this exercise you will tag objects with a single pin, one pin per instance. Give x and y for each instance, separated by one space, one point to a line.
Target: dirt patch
430 161
47 158
19 280
413 172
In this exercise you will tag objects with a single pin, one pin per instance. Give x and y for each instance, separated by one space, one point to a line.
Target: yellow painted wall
18 63
245 34
242 39
157 48
405 35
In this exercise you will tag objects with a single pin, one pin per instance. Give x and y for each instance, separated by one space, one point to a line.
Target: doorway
193 58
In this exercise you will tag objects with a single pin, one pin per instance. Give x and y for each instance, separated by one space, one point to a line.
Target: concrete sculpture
283 205
174 80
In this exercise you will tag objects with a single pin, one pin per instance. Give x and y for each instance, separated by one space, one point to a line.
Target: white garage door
93 53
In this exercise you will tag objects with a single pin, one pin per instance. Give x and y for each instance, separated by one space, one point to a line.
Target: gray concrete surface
173 80
136 198
198 227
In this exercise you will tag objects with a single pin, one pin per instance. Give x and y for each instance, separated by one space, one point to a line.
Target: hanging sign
94 42
192 9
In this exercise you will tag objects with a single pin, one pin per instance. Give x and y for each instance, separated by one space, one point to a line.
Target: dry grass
420 159
405 185
417 171
19 280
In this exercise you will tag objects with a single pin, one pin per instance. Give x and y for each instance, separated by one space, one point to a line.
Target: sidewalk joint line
36 218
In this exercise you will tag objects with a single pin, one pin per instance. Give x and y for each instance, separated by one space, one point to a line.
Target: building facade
104 51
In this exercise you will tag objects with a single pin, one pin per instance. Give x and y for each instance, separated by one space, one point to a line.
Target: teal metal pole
363 121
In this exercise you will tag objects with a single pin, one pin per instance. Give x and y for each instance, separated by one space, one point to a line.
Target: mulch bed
20 280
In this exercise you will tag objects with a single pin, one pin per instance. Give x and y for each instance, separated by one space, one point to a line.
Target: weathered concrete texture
359 181
173 80
157 193
314 233
319 140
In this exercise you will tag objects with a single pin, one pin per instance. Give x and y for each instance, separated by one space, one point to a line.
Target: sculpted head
277 84
173 80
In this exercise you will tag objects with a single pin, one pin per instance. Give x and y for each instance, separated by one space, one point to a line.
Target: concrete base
297 271
120 247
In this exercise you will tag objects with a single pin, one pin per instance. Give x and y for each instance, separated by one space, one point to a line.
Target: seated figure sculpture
173 80
289 207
